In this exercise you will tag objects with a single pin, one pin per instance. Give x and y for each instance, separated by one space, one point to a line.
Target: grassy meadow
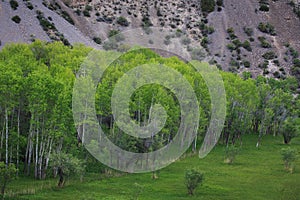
257 173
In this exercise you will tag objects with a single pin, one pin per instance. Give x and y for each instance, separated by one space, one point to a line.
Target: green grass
258 173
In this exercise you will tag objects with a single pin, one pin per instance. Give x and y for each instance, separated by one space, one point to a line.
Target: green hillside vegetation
36 124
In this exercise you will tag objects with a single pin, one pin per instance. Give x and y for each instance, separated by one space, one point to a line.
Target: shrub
230 31
230 154
290 129
219 2
146 22
289 156
16 19
231 47
110 44
264 8
266 28
204 42
113 33
198 54
97 40
193 178
207 6
248 31
14 4
67 17
7 174
246 45
86 13
185 41
88 8
264 43
246 64
269 55
29 5
122 21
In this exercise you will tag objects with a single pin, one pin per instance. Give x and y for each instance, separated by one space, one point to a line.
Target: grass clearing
257 173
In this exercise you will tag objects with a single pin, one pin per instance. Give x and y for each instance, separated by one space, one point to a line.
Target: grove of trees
37 130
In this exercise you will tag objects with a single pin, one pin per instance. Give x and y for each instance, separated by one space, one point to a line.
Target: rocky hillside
257 36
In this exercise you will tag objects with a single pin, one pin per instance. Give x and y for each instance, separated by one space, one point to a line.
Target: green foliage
14 4
198 54
185 41
113 33
264 42
264 6
97 40
16 19
207 6
146 22
269 55
230 154
246 45
7 174
122 21
266 28
193 178
219 2
66 164
290 129
248 31
86 13
111 44
231 33
289 156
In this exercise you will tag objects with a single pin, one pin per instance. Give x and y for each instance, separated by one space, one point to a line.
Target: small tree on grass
289 156
290 129
193 178
7 174
66 165
230 154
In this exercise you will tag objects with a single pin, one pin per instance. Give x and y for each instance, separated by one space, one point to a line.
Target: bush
204 42
198 54
86 13
230 154
289 156
246 45
230 31
16 19
97 40
207 6
193 178
264 43
264 8
219 3
88 8
290 129
246 63
185 41
269 55
146 22
14 4
122 21
248 31
266 28
29 5
110 44
7 174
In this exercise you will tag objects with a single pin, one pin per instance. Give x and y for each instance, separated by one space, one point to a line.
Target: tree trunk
61 177
6 137
18 142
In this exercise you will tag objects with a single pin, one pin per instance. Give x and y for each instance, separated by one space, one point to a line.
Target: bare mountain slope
238 35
